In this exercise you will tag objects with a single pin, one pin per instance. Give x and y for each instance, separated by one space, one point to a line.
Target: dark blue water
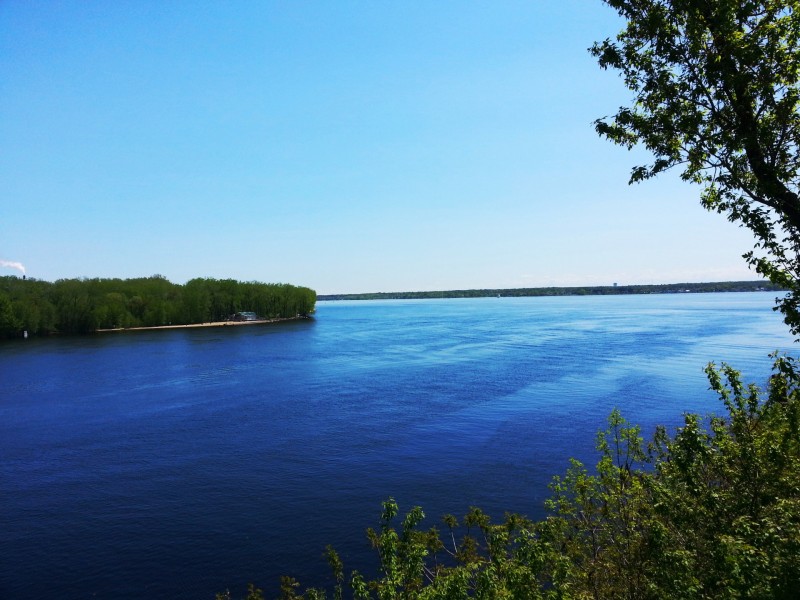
179 463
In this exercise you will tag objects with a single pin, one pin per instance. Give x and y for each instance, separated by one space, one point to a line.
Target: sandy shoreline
194 325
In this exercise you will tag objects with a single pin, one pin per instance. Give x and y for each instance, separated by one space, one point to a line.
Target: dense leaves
86 305
710 511
716 92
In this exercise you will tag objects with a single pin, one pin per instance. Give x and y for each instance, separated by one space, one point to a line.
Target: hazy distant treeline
600 290
86 305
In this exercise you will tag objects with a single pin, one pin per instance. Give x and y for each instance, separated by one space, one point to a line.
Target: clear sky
347 146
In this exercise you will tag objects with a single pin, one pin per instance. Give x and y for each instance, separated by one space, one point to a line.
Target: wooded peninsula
600 290
88 305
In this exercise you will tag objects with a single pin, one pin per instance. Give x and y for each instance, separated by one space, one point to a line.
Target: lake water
179 463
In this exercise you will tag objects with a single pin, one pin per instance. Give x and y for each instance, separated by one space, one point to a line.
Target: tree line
597 290
87 305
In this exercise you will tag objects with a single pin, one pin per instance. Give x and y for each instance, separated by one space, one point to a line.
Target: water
180 463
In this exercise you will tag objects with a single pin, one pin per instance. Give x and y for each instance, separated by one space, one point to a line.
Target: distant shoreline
198 325
599 290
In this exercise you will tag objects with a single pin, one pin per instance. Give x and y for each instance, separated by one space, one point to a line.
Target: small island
30 307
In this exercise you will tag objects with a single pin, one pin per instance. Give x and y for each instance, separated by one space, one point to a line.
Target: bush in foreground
712 511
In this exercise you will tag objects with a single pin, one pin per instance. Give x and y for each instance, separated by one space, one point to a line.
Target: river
180 463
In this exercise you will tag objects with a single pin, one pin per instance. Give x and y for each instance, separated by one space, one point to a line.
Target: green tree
196 302
9 324
727 496
716 92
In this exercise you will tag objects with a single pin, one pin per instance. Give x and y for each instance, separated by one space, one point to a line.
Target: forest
77 306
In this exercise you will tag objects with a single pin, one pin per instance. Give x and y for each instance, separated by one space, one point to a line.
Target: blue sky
346 146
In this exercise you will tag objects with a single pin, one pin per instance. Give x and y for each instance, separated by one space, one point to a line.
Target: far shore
210 324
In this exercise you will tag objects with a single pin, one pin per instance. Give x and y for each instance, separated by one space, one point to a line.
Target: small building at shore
245 316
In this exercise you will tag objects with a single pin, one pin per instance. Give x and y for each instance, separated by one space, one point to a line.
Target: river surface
180 463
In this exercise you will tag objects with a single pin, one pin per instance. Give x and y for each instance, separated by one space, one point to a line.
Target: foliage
711 511
716 92
85 305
